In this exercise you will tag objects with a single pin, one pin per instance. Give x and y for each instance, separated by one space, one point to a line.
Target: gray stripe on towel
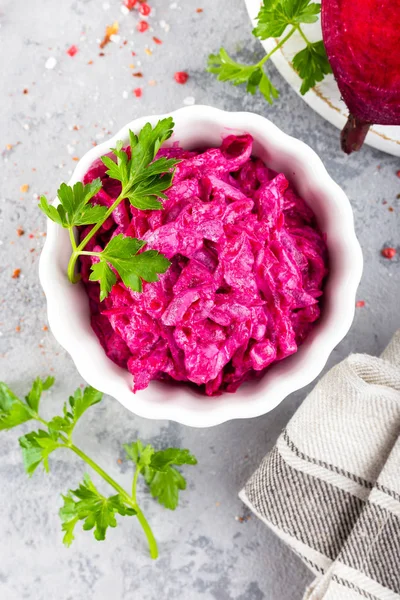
321 463
307 508
360 534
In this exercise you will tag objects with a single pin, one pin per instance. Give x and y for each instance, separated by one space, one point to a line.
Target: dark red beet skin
362 40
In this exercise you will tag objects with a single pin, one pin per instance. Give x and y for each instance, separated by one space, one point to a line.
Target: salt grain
189 101
50 63
70 149
115 38
164 25
125 10
125 95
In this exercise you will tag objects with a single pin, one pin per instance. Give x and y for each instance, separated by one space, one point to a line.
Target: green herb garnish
86 503
275 16
144 181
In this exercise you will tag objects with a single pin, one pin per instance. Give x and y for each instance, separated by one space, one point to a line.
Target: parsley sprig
273 20
144 181
86 504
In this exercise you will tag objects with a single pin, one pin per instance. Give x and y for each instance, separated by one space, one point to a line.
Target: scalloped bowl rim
68 311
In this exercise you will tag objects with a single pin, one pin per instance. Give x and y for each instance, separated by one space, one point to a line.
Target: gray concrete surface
205 552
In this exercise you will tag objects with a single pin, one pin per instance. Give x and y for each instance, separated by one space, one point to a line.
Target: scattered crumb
76 158
119 461
50 62
199 10
18 328
157 40
24 188
16 273
25 91
148 51
243 519
45 328
189 101
138 74
110 30
20 231
152 82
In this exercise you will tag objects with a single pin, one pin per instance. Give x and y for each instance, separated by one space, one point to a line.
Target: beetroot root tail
353 134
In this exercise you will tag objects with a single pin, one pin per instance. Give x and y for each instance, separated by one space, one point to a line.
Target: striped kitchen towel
330 488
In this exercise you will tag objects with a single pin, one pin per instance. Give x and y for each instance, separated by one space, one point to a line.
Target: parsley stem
72 238
131 500
77 250
279 45
127 498
301 32
134 483
100 223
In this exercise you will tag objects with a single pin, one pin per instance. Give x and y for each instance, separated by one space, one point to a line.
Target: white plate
325 97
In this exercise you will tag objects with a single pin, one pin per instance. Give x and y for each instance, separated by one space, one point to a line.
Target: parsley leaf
122 253
276 15
38 386
106 277
139 454
253 76
273 19
143 179
36 448
13 411
312 65
77 405
95 510
74 208
163 479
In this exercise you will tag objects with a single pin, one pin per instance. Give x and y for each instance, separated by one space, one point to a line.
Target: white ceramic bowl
68 309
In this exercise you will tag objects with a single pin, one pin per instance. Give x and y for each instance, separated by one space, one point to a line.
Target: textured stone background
205 552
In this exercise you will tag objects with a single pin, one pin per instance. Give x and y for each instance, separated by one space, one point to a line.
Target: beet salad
248 264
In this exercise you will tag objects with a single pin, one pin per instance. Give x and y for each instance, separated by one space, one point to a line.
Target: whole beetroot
362 42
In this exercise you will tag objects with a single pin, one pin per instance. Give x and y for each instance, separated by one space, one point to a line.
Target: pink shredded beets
248 264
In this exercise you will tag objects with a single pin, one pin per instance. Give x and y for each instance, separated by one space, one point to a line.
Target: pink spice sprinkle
157 40
130 3
138 92
181 77
72 50
360 304
142 26
145 9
